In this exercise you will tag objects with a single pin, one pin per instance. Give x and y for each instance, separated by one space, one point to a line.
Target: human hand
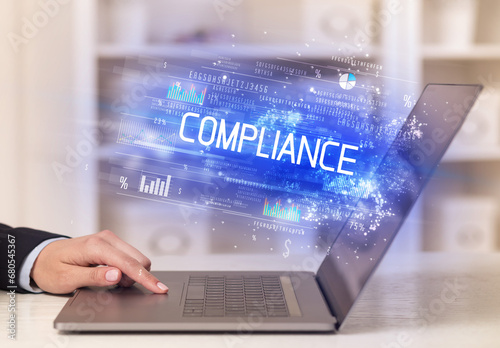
65 265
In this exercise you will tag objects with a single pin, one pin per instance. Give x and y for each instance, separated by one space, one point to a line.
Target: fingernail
112 275
162 286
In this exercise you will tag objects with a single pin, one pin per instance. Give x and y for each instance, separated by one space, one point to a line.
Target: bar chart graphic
154 185
178 93
277 211
148 136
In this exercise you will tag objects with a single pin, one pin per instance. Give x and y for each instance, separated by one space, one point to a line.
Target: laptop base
137 309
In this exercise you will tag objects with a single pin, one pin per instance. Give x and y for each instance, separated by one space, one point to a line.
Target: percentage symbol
407 101
123 182
318 73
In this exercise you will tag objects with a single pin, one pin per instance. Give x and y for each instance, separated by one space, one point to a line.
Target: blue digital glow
277 147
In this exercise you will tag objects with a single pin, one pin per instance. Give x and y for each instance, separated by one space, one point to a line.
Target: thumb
96 276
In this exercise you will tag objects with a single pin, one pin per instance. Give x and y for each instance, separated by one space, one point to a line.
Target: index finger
111 256
128 249
120 244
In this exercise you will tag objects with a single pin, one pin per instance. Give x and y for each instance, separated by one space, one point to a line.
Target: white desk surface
408 303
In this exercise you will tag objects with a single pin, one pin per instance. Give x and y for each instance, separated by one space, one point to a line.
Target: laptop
294 301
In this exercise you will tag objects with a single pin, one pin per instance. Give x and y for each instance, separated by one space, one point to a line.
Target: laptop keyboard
214 296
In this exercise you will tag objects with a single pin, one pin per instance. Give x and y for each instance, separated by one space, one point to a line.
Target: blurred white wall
9 118
43 111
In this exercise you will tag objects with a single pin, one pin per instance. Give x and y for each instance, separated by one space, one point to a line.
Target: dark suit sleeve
24 240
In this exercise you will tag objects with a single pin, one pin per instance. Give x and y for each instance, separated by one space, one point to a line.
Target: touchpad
126 304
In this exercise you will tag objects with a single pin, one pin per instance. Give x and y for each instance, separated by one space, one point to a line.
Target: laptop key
195 292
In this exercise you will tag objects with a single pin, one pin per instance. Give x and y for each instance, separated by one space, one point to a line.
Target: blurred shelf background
461 44
449 41
73 55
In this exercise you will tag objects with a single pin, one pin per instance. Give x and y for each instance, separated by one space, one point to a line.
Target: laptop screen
266 152
397 183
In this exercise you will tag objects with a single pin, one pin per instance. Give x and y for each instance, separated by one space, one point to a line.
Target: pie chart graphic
347 81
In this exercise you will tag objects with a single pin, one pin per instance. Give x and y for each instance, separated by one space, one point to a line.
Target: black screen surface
397 183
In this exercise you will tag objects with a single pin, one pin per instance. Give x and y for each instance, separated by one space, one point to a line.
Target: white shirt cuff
24 276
